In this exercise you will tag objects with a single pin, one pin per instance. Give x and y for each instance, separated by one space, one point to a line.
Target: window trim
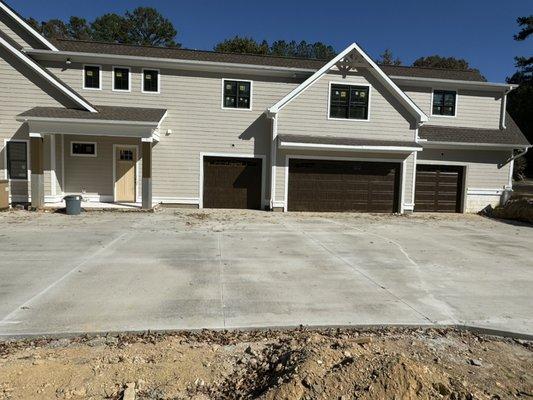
100 69
433 89
368 85
28 162
237 108
72 154
113 79
158 80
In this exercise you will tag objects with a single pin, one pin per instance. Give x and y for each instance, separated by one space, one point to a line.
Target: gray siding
196 118
475 109
18 94
482 166
307 114
93 176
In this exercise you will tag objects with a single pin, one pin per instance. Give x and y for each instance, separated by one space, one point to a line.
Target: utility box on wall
4 194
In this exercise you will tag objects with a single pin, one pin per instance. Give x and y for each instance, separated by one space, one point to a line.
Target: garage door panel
438 188
232 183
329 185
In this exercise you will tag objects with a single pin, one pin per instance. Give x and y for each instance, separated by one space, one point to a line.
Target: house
122 123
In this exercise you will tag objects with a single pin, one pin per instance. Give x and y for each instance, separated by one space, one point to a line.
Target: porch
105 157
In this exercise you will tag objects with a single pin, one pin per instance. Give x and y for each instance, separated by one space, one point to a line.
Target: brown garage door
327 185
439 188
232 182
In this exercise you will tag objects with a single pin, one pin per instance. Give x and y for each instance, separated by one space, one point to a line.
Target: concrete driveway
184 269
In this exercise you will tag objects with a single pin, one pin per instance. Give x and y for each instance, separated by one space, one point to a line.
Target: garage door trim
400 161
262 157
464 188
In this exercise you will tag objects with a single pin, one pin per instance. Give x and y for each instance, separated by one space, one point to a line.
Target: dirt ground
293 364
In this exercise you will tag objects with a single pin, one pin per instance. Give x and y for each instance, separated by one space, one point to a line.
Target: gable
308 113
17 29
354 58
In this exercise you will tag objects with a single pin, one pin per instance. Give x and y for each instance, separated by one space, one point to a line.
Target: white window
83 149
236 94
92 77
121 79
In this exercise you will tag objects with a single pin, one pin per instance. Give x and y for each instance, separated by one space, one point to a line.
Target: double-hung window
17 160
150 81
444 102
349 102
92 77
121 79
237 94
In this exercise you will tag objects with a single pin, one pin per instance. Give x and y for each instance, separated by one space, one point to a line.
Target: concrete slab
184 269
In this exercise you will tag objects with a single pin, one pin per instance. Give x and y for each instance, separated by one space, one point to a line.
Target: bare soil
293 364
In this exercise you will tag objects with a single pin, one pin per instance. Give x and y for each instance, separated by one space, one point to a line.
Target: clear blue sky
480 31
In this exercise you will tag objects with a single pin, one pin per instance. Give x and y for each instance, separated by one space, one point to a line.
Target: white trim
90 121
231 155
177 200
158 80
339 147
28 162
27 26
273 160
100 80
113 79
174 63
45 74
53 177
369 86
137 162
474 146
308 157
403 169
455 107
413 189
237 108
455 82
485 192
63 164
83 155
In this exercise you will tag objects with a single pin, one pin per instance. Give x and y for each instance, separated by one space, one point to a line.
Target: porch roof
136 115
108 121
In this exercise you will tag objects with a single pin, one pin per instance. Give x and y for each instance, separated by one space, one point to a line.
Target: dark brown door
439 188
327 185
232 182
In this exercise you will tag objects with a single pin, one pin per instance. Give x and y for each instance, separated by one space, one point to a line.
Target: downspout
504 107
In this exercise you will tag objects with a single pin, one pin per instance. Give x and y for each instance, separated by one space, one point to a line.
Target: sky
481 31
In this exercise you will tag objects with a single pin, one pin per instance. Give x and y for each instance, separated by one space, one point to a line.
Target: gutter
479 84
171 62
514 157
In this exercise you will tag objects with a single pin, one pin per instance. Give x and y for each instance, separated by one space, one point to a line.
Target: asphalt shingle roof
251 59
105 113
509 136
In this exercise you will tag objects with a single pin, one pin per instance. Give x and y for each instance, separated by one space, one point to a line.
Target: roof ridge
433 68
192 50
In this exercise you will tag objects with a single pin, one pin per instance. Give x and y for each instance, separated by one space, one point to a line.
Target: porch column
37 170
147 174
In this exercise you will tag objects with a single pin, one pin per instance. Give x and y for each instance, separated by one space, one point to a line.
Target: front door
125 161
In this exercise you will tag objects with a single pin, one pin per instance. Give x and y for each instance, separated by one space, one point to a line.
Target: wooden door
232 183
125 161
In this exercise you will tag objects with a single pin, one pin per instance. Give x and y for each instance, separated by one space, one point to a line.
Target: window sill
349 119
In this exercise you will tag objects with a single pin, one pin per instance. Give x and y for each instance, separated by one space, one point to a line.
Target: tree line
146 26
